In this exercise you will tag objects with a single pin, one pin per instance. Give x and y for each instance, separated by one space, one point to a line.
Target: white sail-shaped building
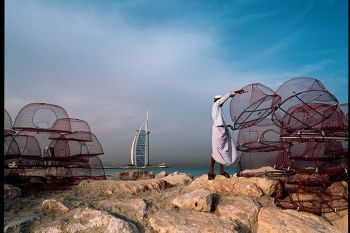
140 146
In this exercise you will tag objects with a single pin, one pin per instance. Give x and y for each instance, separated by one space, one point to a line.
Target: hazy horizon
108 62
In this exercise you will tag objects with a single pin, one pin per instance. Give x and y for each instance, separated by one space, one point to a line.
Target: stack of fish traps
46 149
302 132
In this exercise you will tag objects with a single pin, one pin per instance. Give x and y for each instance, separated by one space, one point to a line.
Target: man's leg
211 174
222 171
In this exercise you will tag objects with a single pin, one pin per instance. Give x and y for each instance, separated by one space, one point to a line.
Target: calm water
194 171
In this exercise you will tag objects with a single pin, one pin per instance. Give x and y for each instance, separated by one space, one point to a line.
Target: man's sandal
211 176
225 174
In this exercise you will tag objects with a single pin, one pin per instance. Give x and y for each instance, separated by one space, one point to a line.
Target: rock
89 220
233 185
267 201
272 220
109 192
99 187
257 172
161 175
243 210
313 203
338 219
20 223
136 175
54 206
314 179
165 221
177 178
135 207
11 192
52 227
268 186
198 200
338 189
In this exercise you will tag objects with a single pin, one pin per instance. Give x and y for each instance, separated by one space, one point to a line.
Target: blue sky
108 62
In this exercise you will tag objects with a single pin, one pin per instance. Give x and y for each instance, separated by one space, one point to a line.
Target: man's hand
231 126
240 91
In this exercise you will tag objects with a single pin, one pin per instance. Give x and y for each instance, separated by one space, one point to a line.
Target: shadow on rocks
214 204
139 226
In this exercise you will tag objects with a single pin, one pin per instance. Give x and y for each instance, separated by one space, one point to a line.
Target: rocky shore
137 201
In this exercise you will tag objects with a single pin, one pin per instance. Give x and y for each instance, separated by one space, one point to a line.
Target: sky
108 62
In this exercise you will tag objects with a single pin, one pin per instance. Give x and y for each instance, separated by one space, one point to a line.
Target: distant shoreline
128 167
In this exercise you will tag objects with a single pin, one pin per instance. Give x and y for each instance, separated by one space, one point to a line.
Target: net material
313 167
253 106
305 102
69 125
39 117
255 160
7 124
261 137
51 150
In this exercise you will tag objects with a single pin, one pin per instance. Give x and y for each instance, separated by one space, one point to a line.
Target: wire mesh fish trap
345 109
261 137
66 148
257 159
315 201
255 104
7 124
305 102
38 117
71 129
51 150
328 157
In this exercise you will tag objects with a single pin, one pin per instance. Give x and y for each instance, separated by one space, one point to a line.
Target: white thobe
224 150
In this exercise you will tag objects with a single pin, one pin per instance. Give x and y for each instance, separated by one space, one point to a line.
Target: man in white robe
223 149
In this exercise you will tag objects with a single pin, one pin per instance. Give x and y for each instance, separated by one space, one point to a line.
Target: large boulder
108 188
340 219
161 175
273 220
258 172
131 207
11 192
86 219
268 186
198 200
233 185
339 189
51 227
53 206
136 175
177 178
166 221
313 202
242 210
313 179
20 223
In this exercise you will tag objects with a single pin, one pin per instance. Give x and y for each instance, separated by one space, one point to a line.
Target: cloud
109 66
310 68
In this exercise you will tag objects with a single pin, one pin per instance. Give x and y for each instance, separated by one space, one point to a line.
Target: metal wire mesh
39 117
309 120
255 104
305 102
50 150
7 124
262 136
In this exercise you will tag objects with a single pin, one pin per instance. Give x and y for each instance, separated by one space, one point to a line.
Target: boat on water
12 165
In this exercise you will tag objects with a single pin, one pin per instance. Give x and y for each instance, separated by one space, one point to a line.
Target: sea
194 171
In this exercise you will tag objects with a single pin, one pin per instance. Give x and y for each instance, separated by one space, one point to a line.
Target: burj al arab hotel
140 146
